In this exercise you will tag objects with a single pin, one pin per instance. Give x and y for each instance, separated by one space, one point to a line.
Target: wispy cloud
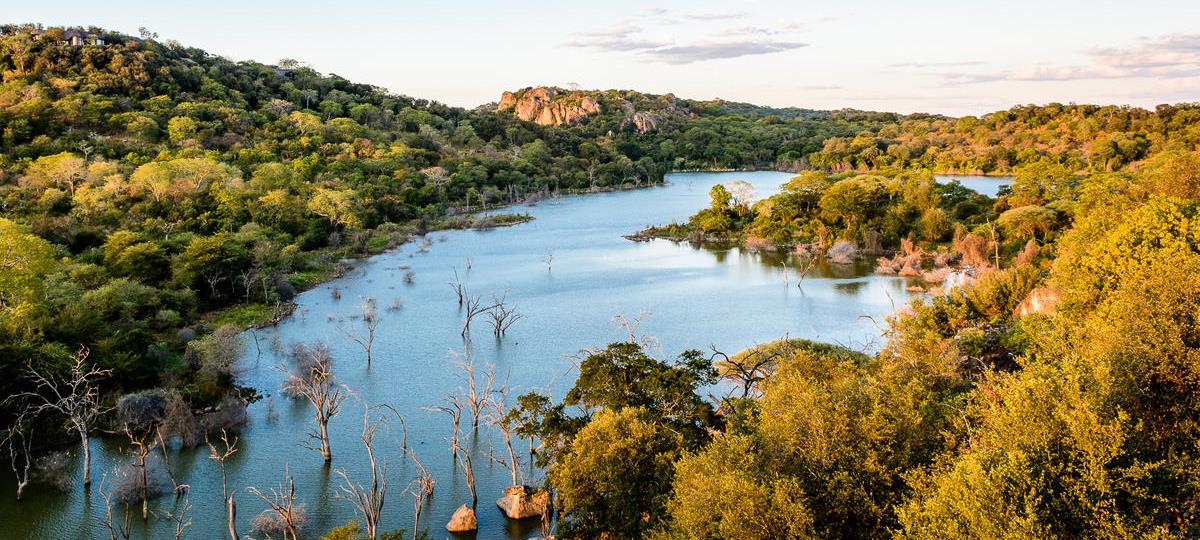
733 42
925 65
698 52
1173 56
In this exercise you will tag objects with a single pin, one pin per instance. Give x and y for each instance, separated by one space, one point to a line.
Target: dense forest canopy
155 199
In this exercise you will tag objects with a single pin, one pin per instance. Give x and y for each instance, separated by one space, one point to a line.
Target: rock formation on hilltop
615 109
549 106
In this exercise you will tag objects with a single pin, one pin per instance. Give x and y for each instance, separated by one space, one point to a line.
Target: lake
688 297
987 185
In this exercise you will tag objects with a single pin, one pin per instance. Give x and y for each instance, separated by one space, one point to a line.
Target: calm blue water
987 185
691 298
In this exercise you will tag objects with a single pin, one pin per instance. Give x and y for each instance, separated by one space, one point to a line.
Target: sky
949 57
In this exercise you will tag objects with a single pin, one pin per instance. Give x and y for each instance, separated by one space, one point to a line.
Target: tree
370 319
616 478
1026 222
25 260
183 177
76 397
283 514
367 500
313 380
228 450
1041 182
337 206
63 170
854 201
727 491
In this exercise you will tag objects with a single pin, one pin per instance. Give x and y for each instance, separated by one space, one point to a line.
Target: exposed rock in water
1040 300
523 502
547 106
842 252
463 520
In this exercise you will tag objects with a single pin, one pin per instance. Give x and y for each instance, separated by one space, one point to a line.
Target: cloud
925 65
715 15
616 39
731 43
699 52
1173 56
821 87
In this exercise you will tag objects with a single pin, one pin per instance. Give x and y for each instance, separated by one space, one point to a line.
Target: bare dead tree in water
453 408
314 381
142 443
460 290
370 319
228 449
367 500
479 391
283 514
178 516
499 419
549 259
503 315
76 397
20 449
474 307
116 530
807 263
420 488
631 326
468 467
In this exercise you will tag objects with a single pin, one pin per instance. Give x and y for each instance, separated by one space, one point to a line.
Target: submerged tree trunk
326 451
87 459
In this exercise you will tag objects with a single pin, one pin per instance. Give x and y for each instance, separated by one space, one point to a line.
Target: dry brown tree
631 326
420 487
228 449
474 307
479 390
19 441
453 408
178 516
370 319
805 265
468 467
748 369
503 315
460 290
314 381
499 418
367 500
116 530
142 443
76 397
283 515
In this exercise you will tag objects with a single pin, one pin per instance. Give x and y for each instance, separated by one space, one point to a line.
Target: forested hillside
1080 137
144 184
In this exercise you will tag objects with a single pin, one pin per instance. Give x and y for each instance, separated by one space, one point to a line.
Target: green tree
615 480
25 260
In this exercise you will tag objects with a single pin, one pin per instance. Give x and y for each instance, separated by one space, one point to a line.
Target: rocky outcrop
523 502
463 520
646 121
548 106
553 106
1040 300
